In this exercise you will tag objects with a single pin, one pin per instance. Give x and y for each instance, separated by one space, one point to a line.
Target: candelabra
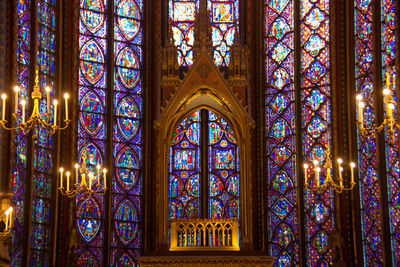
5 217
329 182
36 120
389 119
90 187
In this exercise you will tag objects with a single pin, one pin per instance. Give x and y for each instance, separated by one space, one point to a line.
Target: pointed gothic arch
203 88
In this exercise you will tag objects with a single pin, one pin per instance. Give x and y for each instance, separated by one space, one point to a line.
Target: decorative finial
84 156
328 152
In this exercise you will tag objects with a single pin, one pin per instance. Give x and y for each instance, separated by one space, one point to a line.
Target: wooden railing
204 234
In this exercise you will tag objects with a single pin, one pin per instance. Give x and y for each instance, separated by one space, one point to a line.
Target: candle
76 171
317 171
386 100
3 114
361 106
352 165
23 102
66 96
16 90
68 174
10 214
48 99
305 173
104 177
340 161
340 176
7 215
55 102
90 180
61 177
98 173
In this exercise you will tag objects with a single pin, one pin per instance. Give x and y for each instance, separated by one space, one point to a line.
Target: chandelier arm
5 233
3 124
380 127
67 122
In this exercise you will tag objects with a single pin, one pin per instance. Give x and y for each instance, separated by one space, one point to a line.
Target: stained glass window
43 150
224 20
19 166
316 124
184 170
389 74
127 106
223 170
182 15
127 133
92 123
280 133
369 188
282 180
204 129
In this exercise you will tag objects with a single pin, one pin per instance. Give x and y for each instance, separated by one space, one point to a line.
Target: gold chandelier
92 186
320 185
36 120
389 120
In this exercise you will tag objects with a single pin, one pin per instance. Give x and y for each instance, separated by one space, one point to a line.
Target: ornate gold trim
213 94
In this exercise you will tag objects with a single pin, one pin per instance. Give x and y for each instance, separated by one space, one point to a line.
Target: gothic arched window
224 21
375 30
110 127
204 170
312 120
38 210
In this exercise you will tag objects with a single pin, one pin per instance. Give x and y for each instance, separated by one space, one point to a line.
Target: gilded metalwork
36 120
6 216
204 234
389 120
329 182
89 187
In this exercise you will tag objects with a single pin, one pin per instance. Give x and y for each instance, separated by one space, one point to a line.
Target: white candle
16 90
55 102
66 96
76 171
7 215
23 102
68 174
48 99
104 177
61 177
361 106
10 219
317 171
387 93
340 176
90 180
340 161
3 114
305 173
352 165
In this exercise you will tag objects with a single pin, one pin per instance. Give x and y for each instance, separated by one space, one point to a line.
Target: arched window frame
109 245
